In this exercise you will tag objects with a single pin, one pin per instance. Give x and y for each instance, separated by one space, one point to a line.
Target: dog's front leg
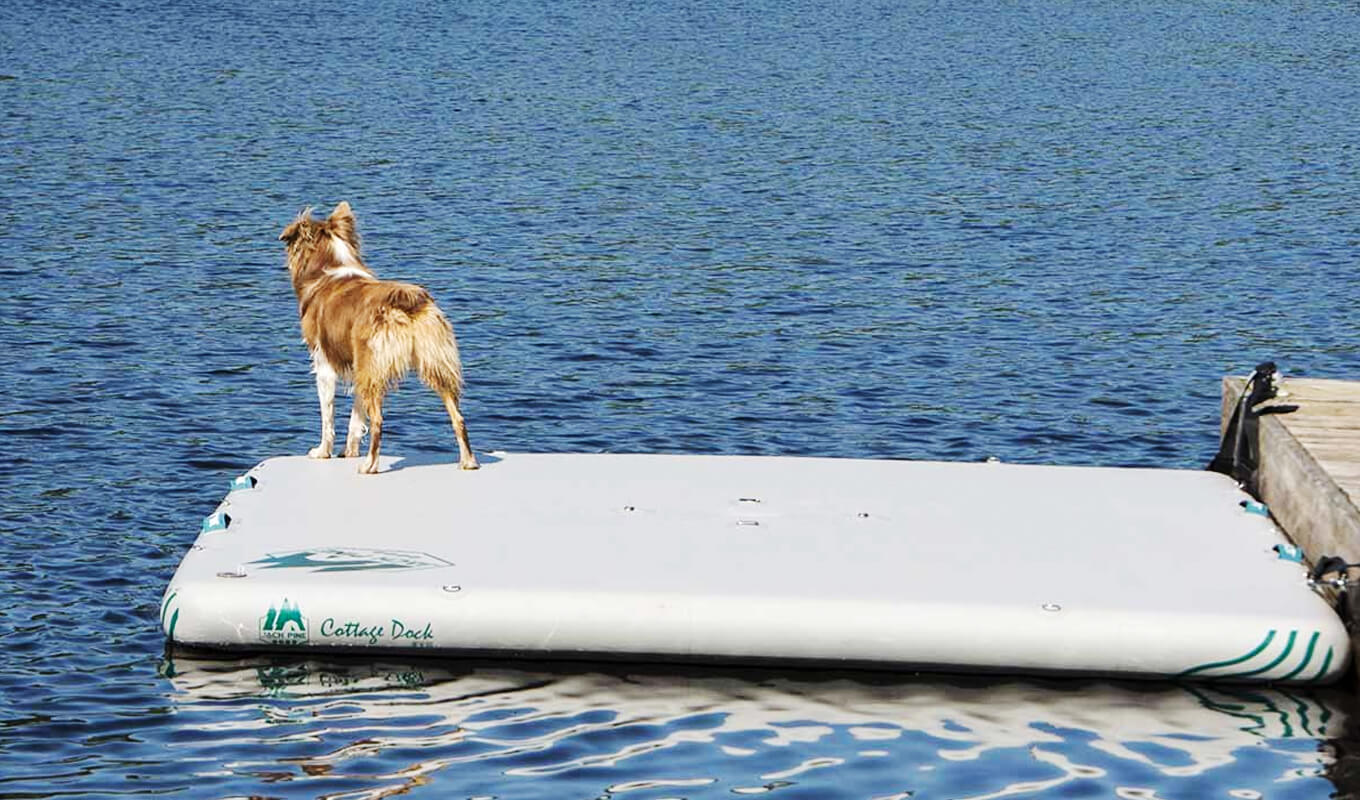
325 392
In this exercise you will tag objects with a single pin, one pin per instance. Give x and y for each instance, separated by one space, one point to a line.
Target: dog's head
306 235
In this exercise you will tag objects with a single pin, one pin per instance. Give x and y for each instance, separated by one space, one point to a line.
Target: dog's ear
297 227
341 223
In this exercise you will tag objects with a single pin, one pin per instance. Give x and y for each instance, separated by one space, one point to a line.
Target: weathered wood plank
1310 463
1318 390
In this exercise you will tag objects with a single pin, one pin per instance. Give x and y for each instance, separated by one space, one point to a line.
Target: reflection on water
369 729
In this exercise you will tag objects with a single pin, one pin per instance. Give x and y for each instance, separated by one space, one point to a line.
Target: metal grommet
1051 607
451 588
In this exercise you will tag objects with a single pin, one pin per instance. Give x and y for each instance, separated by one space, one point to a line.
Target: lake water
1030 229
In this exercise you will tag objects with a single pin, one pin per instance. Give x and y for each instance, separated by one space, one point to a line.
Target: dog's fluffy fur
366 332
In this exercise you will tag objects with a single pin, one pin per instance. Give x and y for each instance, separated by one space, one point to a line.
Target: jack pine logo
350 559
283 624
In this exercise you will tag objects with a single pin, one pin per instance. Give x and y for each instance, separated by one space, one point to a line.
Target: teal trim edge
174 616
1326 662
1293 675
1232 662
1288 647
1307 657
166 605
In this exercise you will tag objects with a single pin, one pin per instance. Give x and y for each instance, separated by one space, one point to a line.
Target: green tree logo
283 624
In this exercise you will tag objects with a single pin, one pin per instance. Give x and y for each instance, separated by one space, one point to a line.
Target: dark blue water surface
1031 229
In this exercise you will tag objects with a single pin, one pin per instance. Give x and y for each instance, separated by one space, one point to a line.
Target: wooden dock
1309 472
1309 467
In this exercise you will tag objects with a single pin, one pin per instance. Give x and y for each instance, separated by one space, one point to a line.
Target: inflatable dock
898 564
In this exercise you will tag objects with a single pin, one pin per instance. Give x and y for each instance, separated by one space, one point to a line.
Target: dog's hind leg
355 434
437 363
383 355
371 395
466 460
325 392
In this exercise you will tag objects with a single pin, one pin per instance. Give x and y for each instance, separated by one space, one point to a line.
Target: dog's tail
406 297
411 333
435 352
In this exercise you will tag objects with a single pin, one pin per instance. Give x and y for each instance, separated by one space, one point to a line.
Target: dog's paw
469 463
369 467
351 452
319 452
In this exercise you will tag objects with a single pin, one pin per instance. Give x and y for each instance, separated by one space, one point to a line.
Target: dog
367 332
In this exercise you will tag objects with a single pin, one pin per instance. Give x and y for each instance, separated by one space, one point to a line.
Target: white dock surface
900 563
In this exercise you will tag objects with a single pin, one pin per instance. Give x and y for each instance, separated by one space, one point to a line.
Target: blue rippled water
1037 230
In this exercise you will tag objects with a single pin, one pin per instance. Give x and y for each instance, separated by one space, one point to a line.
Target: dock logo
284 624
350 559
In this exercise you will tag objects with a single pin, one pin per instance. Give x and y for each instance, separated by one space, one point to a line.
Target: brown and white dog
366 332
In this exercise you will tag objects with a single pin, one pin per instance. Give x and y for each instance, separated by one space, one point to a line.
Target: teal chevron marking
1326 662
1307 657
1256 651
1288 647
166 605
174 620
350 559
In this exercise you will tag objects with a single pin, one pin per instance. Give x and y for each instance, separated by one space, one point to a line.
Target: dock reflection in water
368 729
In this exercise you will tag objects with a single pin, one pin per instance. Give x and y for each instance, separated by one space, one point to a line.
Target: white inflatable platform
900 564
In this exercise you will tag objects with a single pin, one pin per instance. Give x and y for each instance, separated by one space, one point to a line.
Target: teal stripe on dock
1307 657
1270 637
1326 662
166 605
1288 648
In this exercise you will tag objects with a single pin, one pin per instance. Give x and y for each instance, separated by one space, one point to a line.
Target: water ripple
906 230
323 727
